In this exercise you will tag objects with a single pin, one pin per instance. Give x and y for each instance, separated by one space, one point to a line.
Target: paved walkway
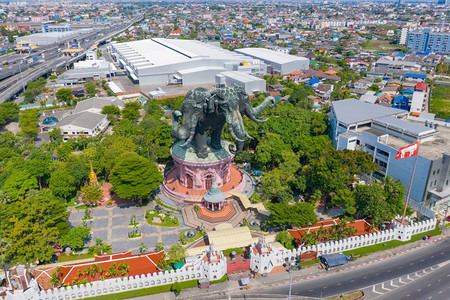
111 225
192 219
282 278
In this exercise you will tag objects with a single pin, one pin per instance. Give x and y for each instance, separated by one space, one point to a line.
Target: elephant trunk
253 112
237 131
192 126
181 133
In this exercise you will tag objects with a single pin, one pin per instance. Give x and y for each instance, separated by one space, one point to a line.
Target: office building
428 40
56 28
382 131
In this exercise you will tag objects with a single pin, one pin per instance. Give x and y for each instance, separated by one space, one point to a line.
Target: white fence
261 263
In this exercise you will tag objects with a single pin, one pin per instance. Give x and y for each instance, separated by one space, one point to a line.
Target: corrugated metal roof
402 125
351 111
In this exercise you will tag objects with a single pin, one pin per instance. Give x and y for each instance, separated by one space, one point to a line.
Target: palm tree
95 268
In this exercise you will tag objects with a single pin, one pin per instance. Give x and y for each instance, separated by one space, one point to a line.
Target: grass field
64 257
440 101
380 46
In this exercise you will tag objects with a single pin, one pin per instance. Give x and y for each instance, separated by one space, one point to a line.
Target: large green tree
18 183
75 237
38 164
91 194
176 253
64 95
135 177
62 184
32 225
297 215
131 111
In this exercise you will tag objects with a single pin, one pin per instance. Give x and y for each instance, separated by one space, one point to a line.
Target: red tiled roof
295 73
361 226
138 264
178 31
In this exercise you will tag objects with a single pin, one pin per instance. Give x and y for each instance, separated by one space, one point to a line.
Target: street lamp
140 148
292 264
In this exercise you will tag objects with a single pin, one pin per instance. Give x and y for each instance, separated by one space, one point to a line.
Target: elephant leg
216 135
200 139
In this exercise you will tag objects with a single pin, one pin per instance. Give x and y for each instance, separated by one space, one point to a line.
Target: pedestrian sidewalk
282 278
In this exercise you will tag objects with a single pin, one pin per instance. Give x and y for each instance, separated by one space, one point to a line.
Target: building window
434 172
446 183
437 172
435 182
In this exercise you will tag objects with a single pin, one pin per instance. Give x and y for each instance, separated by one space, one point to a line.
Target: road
435 285
416 264
16 83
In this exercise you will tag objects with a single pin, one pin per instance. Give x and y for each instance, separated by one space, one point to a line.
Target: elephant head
233 102
192 112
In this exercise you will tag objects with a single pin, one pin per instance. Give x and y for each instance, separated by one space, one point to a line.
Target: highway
22 72
399 276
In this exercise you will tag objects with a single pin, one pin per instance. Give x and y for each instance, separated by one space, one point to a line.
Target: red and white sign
408 151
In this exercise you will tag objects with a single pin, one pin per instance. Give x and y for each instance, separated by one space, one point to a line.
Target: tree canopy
298 215
134 177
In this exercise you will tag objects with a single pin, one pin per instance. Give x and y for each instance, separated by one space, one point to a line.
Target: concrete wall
258 263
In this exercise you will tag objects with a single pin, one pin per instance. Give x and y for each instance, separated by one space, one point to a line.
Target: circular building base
192 176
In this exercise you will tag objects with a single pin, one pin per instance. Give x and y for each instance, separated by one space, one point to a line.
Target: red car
448 218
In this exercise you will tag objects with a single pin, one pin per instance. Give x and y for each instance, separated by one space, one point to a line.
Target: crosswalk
390 285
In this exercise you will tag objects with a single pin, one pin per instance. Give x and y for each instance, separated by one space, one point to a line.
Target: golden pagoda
92 177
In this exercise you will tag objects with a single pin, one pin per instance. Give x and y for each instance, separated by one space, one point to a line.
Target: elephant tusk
233 135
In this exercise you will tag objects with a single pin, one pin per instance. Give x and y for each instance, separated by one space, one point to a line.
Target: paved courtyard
111 225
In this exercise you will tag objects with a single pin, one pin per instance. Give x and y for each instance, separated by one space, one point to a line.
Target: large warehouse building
280 63
161 61
187 62
51 38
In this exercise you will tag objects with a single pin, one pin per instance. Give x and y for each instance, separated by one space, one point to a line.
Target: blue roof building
415 76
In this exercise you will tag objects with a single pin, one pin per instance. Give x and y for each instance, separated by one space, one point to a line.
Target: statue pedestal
191 177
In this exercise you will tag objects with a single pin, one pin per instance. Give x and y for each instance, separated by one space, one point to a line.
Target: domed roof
214 194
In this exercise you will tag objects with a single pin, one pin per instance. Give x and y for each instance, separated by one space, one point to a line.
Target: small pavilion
214 198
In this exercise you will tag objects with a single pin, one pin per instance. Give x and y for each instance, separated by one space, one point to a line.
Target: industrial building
51 38
91 69
279 63
161 61
382 131
250 83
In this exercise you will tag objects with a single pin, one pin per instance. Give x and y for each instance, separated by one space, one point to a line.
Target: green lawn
440 101
391 244
380 46
308 263
223 279
82 207
165 205
146 291
166 222
196 237
64 257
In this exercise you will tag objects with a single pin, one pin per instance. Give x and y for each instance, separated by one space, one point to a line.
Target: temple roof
214 194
